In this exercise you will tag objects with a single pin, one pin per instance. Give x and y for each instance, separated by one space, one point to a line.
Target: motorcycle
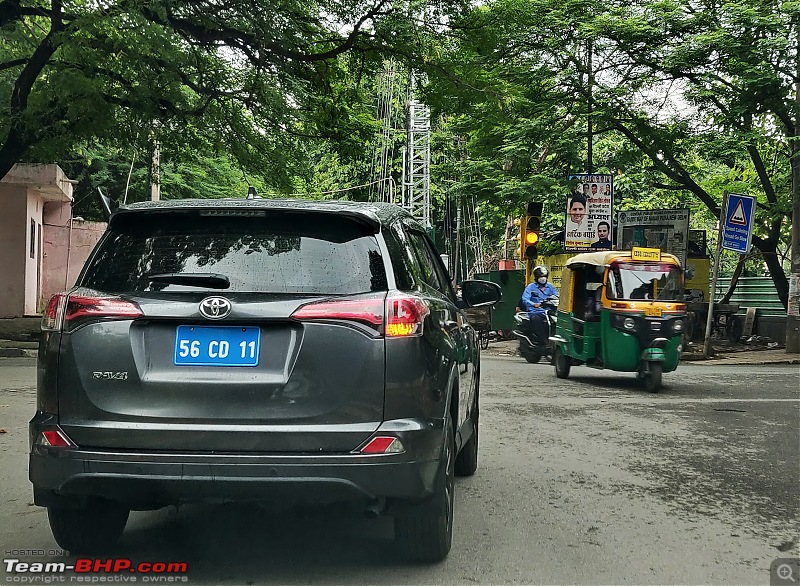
530 347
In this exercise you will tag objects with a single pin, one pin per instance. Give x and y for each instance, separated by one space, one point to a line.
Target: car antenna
252 194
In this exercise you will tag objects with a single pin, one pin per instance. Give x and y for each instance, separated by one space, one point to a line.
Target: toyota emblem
215 307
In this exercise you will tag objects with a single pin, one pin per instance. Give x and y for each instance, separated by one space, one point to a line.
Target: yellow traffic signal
532 228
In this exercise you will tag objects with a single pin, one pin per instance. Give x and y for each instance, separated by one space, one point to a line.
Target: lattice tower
417 180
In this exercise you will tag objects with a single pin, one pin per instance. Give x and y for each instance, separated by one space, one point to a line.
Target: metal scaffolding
417 163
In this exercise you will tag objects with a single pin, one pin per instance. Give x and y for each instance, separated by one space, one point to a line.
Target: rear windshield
278 253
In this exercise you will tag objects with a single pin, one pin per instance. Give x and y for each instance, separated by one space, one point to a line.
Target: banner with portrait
667 230
588 215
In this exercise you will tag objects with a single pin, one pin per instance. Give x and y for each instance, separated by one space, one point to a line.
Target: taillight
365 310
397 316
405 315
67 311
53 316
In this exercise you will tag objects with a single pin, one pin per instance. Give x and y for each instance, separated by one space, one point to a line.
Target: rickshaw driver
534 296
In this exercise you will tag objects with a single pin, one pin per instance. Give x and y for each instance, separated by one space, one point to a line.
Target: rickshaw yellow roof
606 257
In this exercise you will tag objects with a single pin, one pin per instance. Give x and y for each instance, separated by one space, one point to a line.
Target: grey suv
249 350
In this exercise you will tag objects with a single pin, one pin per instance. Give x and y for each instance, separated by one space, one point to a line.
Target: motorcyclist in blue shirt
534 296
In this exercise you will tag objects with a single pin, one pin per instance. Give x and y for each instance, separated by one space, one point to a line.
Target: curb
17 353
731 360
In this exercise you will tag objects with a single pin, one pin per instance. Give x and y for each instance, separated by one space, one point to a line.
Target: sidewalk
20 336
744 358
21 328
741 355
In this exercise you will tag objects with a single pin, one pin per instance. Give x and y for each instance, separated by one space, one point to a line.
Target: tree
254 79
736 69
703 92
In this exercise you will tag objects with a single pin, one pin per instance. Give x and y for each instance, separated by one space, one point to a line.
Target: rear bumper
146 479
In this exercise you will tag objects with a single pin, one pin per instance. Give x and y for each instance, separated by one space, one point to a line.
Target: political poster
667 230
588 213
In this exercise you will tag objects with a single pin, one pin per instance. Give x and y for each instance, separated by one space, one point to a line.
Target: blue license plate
217 346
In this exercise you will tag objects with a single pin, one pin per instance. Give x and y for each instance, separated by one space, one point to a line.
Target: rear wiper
212 280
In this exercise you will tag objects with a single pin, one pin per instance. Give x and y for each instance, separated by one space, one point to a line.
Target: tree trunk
509 225
768 250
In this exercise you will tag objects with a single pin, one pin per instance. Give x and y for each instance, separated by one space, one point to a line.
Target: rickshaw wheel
652 377
562 363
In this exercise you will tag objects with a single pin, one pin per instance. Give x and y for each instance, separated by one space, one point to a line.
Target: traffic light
531 231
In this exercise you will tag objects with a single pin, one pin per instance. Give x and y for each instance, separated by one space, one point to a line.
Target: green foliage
260 82
685 105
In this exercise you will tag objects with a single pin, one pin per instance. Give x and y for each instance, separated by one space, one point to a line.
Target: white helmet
540 271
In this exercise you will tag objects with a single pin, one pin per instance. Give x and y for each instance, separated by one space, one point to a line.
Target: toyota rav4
250 350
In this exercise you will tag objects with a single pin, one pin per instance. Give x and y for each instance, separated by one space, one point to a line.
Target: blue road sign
737 226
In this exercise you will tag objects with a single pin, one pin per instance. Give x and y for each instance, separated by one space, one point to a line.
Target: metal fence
758 292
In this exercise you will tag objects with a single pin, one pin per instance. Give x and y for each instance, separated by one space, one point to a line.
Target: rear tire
427 534
93 527
467 459
561 362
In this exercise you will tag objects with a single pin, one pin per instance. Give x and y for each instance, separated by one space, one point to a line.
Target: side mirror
480 293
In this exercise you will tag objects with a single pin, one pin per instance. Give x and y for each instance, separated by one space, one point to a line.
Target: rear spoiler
248 207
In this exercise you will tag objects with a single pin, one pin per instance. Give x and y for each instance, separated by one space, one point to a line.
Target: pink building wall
13 251
41 247
65 250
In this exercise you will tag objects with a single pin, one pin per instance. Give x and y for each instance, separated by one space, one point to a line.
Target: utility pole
714 277
793 307
589 154
155 176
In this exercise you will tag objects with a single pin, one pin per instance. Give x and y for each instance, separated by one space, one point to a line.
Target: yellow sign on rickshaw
640 253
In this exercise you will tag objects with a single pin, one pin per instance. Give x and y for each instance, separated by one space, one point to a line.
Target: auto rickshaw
621 311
